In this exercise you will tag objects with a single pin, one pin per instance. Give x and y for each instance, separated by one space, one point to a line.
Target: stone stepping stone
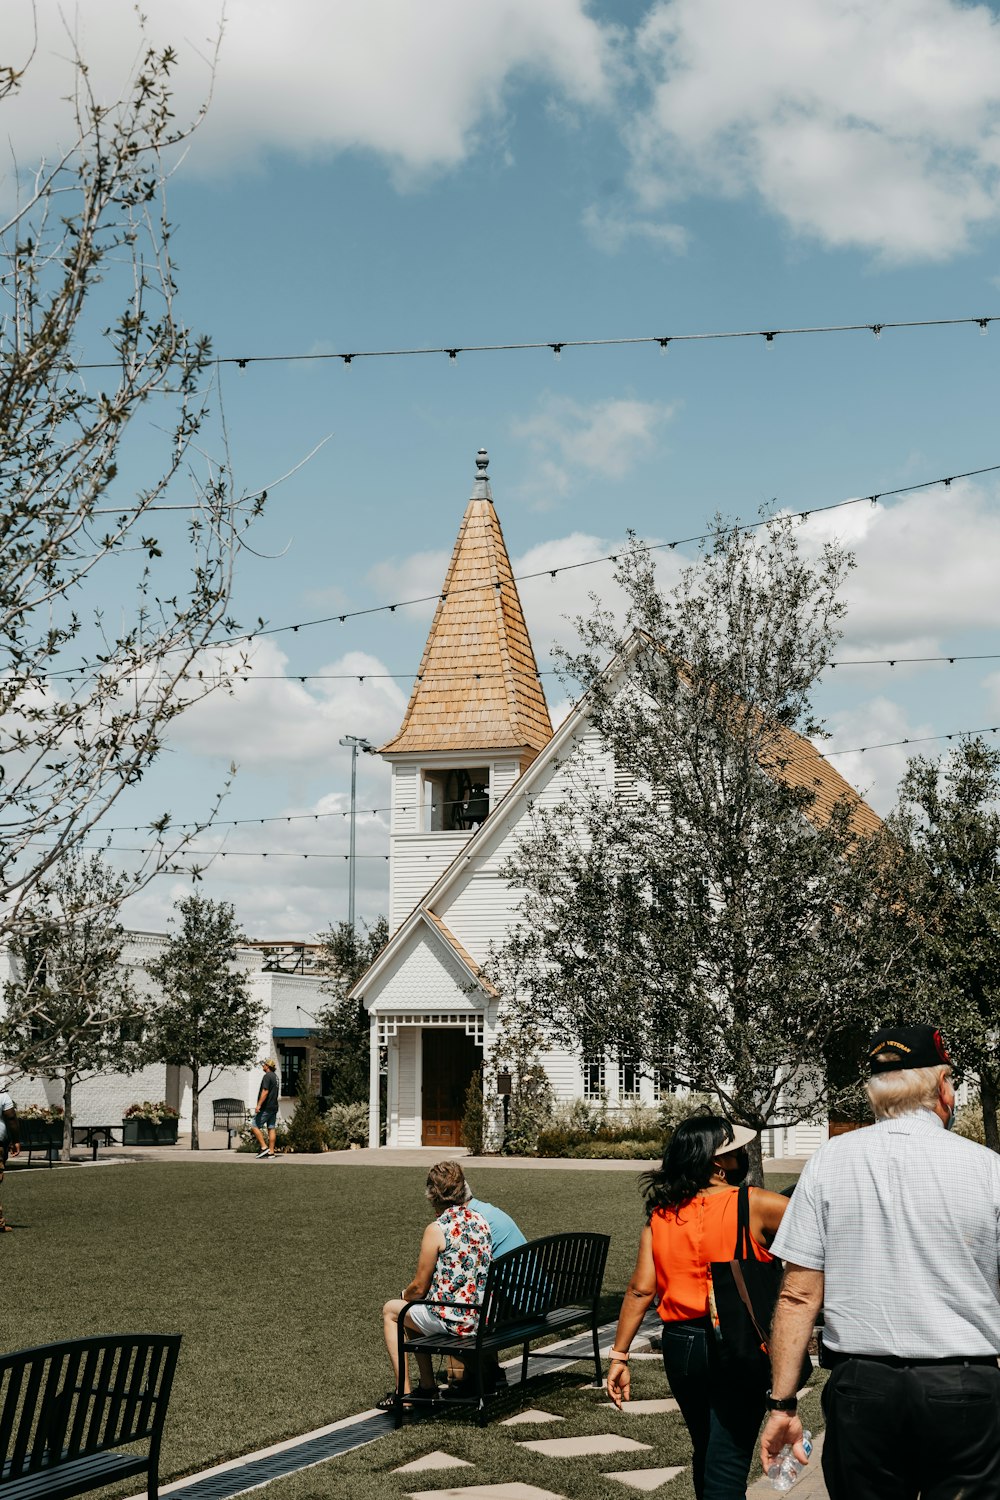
516 1491
581 1447
435 1460
645 1479
653 1408
532 1415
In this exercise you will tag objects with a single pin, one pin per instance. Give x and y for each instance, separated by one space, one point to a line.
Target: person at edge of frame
894 1229
10 1144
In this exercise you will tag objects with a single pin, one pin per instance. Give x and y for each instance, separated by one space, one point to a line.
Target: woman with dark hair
455 1254
691 1205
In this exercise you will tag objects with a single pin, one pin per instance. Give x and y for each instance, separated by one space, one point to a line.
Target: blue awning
286 1033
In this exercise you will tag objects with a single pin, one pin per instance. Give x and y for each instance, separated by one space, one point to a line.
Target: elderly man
895 1230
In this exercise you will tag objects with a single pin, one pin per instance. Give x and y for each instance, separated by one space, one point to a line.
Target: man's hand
780 1428
619 1382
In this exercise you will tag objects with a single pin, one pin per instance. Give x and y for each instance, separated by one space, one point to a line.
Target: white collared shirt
903 1219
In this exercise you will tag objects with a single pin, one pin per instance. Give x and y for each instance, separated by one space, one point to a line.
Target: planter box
137 1132
36 1134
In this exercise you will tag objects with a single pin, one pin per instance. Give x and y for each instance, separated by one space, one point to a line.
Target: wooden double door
449 1060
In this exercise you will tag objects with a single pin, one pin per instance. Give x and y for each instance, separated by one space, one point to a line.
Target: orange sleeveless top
685 1241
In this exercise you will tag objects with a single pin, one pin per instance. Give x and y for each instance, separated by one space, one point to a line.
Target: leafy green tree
72 1011
343 1039
102 641
208 1019
698 910
948 820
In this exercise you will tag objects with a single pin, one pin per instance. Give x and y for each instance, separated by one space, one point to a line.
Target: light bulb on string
556 351
663 345
241 365
452 357
769 340
876 329
984 327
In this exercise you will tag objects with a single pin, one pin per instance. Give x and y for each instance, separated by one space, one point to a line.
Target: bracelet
622 1359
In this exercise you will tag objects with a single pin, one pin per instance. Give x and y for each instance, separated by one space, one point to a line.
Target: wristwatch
784 1403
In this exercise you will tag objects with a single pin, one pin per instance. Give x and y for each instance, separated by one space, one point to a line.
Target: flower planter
138 1132
37 1134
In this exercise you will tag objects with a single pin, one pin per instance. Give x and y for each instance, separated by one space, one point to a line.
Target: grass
276 1275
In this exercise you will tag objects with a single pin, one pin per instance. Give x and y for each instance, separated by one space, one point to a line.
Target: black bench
70 1411
230 1115
538 1289
37 1135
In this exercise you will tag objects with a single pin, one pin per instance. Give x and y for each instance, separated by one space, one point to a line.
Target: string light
922 739
713 336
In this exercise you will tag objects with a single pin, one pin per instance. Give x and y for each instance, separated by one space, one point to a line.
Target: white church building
474 754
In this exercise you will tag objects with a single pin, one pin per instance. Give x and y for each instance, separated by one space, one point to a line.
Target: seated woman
455 1255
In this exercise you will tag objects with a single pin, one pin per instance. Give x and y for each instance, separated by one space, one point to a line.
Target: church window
593 1077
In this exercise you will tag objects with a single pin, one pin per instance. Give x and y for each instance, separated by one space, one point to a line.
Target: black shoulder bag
744 1293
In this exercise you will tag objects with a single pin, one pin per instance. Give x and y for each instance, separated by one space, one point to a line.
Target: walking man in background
894 1229
10 1143
266 1116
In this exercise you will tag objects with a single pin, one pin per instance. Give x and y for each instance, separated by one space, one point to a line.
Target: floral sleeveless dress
461 1268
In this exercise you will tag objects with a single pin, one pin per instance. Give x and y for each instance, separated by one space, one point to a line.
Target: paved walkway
213 1152
254 1470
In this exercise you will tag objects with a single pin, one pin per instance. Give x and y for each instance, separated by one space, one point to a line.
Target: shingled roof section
478 686
802 765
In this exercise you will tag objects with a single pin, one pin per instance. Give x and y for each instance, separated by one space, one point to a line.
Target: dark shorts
266 1119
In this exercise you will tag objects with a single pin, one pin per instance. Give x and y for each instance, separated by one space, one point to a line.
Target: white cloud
875 126
926 568
276 722
418 85
569 438
875 773
611 229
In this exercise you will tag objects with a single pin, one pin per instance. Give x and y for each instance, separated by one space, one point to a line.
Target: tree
208 1020
72 1010
343 1040
84 523
949 822
698 910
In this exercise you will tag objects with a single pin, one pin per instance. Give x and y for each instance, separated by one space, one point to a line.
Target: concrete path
213 1152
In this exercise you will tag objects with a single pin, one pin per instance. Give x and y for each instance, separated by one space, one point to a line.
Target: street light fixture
354 742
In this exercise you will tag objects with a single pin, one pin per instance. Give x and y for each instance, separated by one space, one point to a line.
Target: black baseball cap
896 1047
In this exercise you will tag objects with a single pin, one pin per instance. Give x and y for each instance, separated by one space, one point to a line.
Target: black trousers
896 1433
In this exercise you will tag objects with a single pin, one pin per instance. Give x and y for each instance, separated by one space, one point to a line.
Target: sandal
387 1403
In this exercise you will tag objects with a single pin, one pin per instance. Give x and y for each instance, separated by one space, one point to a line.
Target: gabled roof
420 916
801 765
478 686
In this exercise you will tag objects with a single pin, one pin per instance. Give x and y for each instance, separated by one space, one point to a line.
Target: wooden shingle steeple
478 686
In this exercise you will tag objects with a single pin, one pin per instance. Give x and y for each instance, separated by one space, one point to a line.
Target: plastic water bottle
787 1468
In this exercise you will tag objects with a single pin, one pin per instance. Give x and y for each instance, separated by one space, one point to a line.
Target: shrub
146 1109
307 1130
473 1121
248 1143
48 1112
969 1122
347 1125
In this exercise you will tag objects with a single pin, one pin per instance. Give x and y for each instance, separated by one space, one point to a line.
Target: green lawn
275 1275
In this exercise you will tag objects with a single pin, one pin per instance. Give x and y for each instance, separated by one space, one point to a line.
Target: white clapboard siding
405 800
415 863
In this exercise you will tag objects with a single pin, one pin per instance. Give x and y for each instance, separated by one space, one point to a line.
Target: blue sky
379 174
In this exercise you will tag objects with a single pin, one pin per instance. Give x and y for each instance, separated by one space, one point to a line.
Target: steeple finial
481 486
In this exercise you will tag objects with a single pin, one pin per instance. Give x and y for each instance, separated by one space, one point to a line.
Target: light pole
354 742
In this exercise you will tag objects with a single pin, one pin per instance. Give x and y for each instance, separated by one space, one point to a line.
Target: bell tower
477 715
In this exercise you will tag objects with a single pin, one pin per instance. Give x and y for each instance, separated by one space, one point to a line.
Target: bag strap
741 1287
744 1238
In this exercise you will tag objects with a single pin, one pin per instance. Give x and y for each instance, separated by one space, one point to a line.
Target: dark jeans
723 1420
927 1430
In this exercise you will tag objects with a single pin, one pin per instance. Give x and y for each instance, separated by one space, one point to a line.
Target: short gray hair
904 1090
